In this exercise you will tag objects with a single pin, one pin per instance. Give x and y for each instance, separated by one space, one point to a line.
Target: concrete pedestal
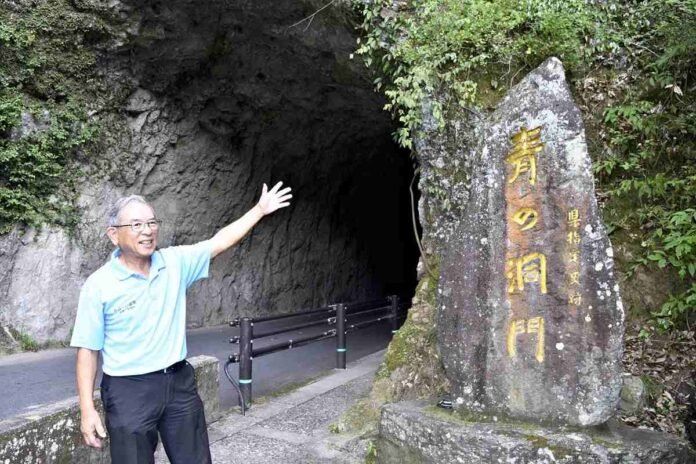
418 432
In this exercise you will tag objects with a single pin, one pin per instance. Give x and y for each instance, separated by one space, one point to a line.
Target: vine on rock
47 64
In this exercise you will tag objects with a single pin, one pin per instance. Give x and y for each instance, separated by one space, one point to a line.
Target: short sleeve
195 261
88 331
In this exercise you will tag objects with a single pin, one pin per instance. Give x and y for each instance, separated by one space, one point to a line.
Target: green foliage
33 177
10 111
27 342
46 68
457 42
650 165
361 418
371 453
334 428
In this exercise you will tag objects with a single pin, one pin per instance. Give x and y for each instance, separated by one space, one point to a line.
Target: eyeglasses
140 226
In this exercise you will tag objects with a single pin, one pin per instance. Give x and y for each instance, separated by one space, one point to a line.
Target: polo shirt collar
122 272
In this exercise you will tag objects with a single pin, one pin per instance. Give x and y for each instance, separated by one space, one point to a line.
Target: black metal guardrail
337 317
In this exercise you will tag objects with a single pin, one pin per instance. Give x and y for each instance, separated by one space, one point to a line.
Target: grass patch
361 418
27 342
371 454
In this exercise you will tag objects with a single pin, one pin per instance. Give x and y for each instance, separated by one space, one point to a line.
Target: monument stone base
419 432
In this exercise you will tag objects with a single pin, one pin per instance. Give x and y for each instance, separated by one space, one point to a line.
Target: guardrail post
341 336
246 332
394 313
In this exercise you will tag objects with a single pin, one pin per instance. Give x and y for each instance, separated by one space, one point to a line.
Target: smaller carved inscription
574 218
573 255
573 237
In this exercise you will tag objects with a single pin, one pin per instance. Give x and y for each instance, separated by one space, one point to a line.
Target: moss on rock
411 368
50 89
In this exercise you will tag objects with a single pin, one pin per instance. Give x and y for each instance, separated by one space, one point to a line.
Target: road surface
30 380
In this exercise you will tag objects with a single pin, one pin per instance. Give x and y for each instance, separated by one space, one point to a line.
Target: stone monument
530 322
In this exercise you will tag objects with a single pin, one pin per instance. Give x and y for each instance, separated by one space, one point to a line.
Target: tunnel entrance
244 95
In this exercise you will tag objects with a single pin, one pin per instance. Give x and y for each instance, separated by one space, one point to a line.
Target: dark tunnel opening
245 99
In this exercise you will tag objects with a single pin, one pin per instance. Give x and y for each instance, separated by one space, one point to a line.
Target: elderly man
133 310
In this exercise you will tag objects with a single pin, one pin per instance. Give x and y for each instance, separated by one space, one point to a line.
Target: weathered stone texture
690 419
445 163
414 433
44 279
50 435
633 395
530 322
207 369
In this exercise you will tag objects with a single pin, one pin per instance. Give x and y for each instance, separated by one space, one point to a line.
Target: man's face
135 244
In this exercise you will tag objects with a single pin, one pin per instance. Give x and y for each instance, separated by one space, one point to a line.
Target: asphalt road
30 380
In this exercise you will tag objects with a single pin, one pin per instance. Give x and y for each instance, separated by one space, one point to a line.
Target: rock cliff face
220 98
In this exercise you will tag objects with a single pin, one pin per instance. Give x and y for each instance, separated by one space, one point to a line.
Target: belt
170 369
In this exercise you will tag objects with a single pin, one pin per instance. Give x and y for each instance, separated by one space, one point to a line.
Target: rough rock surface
220 98
530 322
445 158
417 433
633 395
690 420
43 281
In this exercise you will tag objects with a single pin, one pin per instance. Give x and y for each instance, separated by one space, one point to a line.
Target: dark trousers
138 407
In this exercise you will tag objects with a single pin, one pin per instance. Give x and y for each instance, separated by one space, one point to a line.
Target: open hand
92 428
274 199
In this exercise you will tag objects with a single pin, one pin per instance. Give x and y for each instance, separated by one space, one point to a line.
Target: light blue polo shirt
139 323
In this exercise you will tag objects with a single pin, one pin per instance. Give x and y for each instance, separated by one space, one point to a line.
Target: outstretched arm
270 201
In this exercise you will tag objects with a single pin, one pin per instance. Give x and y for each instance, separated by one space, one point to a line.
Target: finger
285 198
276 187
284 191
265 189
283 205
100 430
91 440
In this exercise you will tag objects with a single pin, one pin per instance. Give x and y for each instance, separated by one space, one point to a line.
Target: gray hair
121 203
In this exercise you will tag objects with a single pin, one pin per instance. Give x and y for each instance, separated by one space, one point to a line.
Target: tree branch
310 18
